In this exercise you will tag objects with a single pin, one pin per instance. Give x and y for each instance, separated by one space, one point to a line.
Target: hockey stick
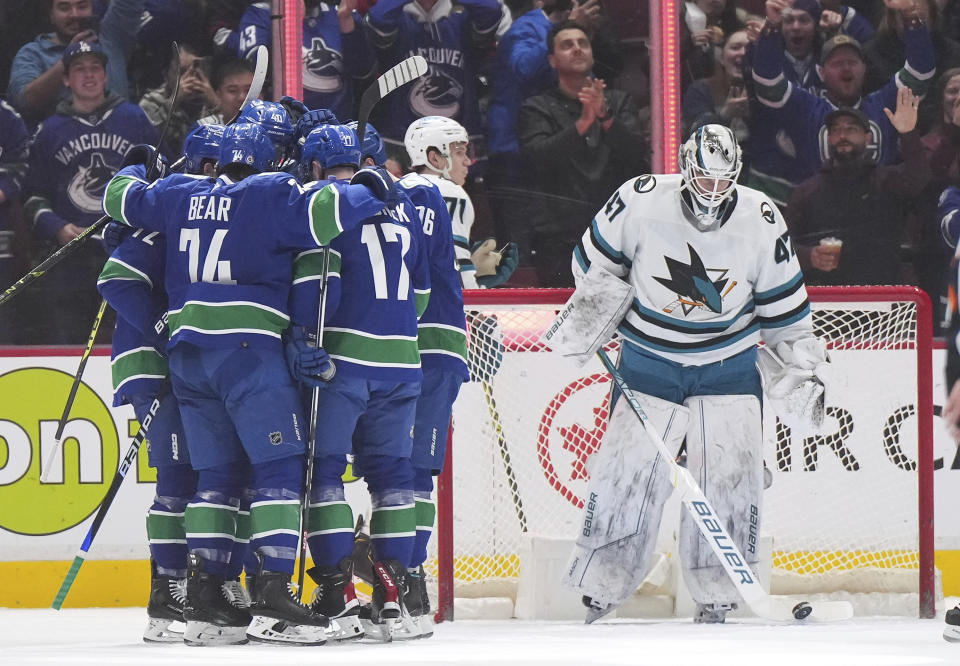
74 244
712 529
403 72
57 444
312 434
256 87
504 454
128 459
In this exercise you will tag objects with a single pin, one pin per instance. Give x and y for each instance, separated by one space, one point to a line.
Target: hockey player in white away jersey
437 147
714 273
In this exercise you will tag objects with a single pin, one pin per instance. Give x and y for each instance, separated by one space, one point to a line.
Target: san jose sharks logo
694 286
86 187
322 67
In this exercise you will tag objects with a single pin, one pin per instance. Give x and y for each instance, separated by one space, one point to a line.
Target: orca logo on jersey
437 94
644 184
85 190
766 212
693 285
322 67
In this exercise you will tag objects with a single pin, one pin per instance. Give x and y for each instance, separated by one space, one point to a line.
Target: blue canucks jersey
451 42
378 286
231 246
132 283
442 329
73 158
331 60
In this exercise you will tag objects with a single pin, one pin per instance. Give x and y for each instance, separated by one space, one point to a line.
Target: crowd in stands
848 113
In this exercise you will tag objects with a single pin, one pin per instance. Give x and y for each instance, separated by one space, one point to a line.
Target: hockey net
849 511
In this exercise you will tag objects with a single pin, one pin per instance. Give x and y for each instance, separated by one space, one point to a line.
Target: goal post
849 512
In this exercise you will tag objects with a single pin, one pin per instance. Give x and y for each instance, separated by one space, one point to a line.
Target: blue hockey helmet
203 143
247 144
331 145
272 117
372 145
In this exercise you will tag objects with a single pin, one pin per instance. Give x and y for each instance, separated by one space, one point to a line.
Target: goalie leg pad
629 486
724 455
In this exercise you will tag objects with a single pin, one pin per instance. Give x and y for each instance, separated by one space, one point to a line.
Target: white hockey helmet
432 132
710 161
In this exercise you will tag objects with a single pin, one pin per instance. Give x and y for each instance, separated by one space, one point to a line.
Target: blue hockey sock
176 484
211 516
275 512
393 524
330 522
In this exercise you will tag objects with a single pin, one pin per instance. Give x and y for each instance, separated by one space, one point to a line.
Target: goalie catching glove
494 268
796 376
307 362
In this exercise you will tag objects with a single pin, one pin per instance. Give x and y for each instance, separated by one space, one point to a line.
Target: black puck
802 610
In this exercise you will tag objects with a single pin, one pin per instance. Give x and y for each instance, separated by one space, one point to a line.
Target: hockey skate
278 615
336 598
596 609
712 613
211 618
416 619
167 596
951 632
381 617
236 593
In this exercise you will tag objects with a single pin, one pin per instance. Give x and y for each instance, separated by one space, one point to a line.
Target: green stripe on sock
269 517
205 519
165 527
243 526
426 512
331 517
385 523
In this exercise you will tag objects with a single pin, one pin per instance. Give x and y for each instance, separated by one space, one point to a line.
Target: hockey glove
494 268
113 235
145 154
295 108
380 183
312 119
308 363
797 376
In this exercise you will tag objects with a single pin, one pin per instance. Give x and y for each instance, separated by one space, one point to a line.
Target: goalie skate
336 598
381 619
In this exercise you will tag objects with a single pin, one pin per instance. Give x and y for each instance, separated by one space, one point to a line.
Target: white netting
842 509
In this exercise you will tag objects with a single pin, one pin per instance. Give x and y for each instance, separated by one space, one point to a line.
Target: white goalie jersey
701 296
461 213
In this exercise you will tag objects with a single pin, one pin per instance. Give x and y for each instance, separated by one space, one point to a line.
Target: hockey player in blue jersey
378 286
275 121
201 149
229 265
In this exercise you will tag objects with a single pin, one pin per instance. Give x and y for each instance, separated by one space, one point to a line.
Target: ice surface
112 636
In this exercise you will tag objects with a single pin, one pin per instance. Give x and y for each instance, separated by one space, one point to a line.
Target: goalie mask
709 161
433 132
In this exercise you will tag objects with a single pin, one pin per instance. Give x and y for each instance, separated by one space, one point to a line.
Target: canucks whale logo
694 286
436 94
322 67
85 190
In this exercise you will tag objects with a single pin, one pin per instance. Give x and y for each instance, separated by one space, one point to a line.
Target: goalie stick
73 245
111 495
715 534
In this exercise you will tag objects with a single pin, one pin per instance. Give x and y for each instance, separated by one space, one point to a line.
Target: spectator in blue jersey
847 221
580 139
886 52
196 98
454 44
231 83
522 69
37 75
336 51
14 151
75 153
796 117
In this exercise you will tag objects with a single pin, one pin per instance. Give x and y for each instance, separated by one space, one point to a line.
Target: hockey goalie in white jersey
714 274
